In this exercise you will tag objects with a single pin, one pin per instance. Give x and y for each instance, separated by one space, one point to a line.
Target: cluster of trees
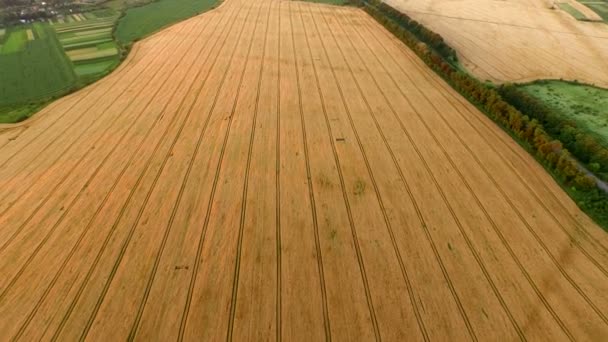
583 185
584 147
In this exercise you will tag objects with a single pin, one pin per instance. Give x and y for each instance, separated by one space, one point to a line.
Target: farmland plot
89 44
285 170
517 40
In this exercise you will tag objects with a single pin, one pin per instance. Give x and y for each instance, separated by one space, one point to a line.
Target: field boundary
585 188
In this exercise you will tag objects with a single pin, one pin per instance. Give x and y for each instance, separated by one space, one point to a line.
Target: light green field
97 54
584 105
33 72
28 82
572 11
16 41
87 43
37 71
93 68
140 22
598 6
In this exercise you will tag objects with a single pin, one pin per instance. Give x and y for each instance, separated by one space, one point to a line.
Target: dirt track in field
517 40
285 170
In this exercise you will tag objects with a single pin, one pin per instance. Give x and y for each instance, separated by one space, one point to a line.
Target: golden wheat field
517 40
275 170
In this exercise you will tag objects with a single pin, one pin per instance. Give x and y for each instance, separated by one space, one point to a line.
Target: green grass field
586 106
38 69
77 49
598 6
140 22
15 40
572 11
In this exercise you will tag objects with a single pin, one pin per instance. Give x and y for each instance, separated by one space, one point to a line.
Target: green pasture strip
75 40
586 106
85 28
87 43
140 22
95 67
39 71
16 41
600 8
94 55
572 11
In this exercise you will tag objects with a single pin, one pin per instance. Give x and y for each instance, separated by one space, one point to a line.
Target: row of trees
530 130
422 34
584 147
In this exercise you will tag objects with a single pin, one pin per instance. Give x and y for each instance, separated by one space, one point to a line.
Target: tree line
584 147
504 106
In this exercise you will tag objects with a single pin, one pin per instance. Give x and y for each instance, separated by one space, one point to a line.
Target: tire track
59 119
425 163
379 197
74 143
147 165
75 166
118 74
541 243
127 241
351 220
310 190
216 176
531 191
478 201
278 184
345 197
33 312
135 327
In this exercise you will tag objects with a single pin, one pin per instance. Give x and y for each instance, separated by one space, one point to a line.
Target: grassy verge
598 6
572 11
139 22
19 113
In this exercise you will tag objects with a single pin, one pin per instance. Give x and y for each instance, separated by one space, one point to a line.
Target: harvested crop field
517 40
285 170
